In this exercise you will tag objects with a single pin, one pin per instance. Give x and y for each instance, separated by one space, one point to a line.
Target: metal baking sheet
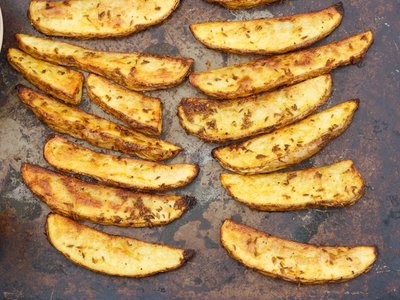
31 269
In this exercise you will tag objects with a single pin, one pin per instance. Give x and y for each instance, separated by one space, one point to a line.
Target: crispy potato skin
116 170
139 111
289 145
268 73
136 71
336 185
93 129
221 121
292 261
101 204
85 19
241 4
111 254
269 36
62 83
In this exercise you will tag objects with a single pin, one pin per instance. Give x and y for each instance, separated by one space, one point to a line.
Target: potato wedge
221 121
111 254
292 261
102 204
62 83
289 145
335 185
93 129
86 19
136 71
139 111
269 36
116 170
241 4
265 74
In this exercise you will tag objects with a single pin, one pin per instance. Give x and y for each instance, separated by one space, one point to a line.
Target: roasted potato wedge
269 36
221 121
292 261
60 82
241 4
136 71
267 73
98 18
119 171
336 185
111 254
102 204
139 111
289 145
93 129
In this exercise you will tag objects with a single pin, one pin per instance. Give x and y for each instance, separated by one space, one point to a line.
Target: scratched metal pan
31 269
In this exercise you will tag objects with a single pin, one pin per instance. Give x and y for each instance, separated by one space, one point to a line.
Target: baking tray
31 269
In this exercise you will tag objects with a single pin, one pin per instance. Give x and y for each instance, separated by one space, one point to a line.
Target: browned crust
187 254
240 4
134 29
161 188
316 204
183 204
49 89
189 104
245 229
286 80
322 142
147 129
100 138
337 8
115 76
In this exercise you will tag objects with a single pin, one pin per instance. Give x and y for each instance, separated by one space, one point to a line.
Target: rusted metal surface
31 269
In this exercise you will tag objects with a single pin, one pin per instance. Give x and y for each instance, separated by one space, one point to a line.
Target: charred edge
189 201
357 102
340 8
214 153
188 254
20 88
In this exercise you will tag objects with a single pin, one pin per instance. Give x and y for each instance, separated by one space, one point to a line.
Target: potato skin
60 229
116 170
269 36
241 243
297 142
136 71
93 129
69 18
139 111
60 82
221 121
265 74
336 185
242 4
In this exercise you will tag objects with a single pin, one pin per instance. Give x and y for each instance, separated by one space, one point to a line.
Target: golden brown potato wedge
111 254
116 170
139 111
289 145
241 4
60 82
269 36
93 129
292 261
221 121
336 185
136 71
98 18
267 73
102 204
